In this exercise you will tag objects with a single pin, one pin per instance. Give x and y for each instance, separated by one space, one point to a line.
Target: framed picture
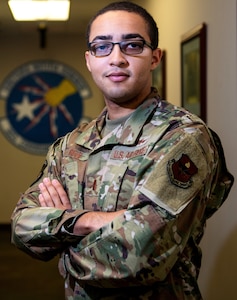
193 71
159 77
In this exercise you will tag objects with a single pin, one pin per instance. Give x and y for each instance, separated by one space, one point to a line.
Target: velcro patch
179 176
181 171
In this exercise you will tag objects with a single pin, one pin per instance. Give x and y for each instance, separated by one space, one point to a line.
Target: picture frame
159 76
193 71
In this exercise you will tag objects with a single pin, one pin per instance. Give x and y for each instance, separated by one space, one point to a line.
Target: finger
42 201
52 191
46 193
62 193
54 194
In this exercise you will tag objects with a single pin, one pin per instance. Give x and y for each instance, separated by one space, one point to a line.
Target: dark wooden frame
159 76
193 71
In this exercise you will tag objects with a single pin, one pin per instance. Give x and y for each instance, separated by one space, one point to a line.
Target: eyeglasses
104 48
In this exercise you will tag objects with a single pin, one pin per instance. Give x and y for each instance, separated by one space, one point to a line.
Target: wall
18 168
217 278
174 18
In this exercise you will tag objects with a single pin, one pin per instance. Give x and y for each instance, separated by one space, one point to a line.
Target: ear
87 55
156 58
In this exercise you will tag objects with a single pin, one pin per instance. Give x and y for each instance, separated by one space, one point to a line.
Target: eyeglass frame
145 43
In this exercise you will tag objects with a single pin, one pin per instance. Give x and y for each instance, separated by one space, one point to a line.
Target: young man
124 199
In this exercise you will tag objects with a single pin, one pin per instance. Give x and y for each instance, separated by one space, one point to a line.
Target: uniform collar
125 134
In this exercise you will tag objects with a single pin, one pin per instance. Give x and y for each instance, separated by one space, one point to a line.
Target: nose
117 57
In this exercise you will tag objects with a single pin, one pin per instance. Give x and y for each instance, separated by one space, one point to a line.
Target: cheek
94 66
142 68
97 75
142 72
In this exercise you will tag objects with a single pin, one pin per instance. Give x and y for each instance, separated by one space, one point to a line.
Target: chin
117 96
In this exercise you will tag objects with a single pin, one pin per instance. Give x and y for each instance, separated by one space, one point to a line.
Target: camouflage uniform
163 167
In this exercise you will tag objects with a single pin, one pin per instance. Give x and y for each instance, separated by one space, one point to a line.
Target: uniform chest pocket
116 187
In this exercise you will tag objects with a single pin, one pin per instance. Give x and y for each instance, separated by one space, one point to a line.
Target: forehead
117 24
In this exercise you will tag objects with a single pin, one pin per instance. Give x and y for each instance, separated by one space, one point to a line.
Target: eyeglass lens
105 48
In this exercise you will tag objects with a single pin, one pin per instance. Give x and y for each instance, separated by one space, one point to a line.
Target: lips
117 76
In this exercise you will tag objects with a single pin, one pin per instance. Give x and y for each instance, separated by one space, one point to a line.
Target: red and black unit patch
181 171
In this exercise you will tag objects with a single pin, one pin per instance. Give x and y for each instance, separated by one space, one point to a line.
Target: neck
118 109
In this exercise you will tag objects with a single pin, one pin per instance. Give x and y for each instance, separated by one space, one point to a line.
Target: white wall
174 18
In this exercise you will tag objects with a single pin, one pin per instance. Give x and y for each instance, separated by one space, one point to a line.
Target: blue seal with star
44 101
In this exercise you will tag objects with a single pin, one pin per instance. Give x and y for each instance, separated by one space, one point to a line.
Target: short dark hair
133 8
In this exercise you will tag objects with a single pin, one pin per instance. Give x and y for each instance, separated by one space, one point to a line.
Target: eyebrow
128 36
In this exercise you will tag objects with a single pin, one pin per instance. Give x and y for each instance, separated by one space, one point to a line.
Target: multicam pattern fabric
161 166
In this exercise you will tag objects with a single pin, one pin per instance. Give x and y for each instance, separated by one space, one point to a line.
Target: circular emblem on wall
43 101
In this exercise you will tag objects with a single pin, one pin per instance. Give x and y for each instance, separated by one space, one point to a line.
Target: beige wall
218 273
18 168
218 276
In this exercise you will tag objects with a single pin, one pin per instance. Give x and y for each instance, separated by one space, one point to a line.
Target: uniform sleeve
165 210
42 231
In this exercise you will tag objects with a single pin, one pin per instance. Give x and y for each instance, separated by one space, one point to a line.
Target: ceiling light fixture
36 10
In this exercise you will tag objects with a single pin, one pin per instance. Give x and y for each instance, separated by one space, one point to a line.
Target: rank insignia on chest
181 171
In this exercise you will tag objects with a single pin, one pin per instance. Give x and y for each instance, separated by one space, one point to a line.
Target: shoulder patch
181 171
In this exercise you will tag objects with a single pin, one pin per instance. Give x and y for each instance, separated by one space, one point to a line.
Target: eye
101 47
136 45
